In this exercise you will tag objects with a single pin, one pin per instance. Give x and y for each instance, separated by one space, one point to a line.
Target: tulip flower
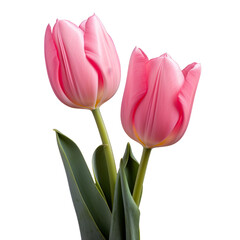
156 104
84 71
158 99
82 63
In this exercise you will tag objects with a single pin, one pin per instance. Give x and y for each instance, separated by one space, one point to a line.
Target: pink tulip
82 63
158 99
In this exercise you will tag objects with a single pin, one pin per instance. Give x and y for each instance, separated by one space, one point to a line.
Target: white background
192 189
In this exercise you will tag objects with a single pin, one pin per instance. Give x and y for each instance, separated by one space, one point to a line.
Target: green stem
109 153
140 175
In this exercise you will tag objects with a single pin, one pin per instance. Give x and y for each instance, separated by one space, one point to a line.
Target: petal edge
185 102
134 93
53 65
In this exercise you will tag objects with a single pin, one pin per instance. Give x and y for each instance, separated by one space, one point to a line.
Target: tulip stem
140 175
112 171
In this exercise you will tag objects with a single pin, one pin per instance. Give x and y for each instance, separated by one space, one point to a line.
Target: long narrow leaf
131 210
101 173
130 165
93 214
125 215
117 231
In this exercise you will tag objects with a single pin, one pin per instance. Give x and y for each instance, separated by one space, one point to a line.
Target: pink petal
185 101
52 63
157 115
101 53
83 25
79 78
135 90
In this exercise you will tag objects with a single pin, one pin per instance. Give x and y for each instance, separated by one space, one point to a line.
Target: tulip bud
158 99
82 63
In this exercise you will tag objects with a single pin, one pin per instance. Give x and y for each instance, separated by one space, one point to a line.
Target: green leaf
93 214
131 210
125 214
130 165
117 231
101 173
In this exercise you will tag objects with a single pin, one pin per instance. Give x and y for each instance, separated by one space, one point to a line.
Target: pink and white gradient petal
185 102
157 115
53 68
135 90
101 53
80 79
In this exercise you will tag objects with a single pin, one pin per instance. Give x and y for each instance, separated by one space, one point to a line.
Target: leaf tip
57 131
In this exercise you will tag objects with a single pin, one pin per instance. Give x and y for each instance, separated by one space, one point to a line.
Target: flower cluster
84 71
